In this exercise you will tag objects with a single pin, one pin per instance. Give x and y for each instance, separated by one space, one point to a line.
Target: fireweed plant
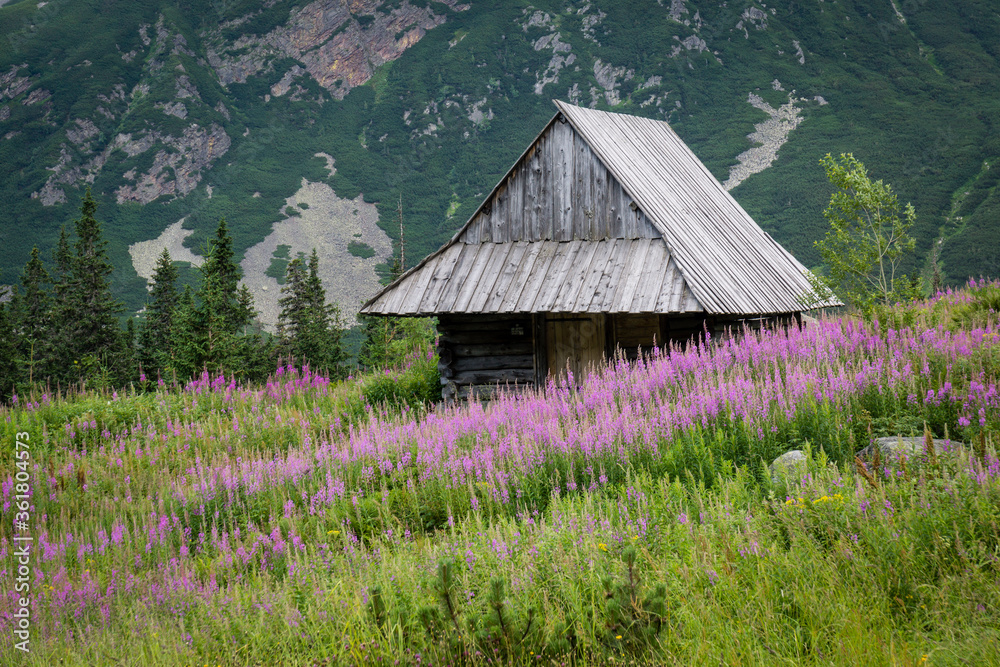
630 519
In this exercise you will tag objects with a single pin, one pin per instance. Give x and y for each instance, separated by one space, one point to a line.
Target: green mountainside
309 123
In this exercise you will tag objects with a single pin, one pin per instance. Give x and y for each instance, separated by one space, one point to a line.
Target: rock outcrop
340 43
892 448
790 466
769 136
12 85
177 167
329 224
177 172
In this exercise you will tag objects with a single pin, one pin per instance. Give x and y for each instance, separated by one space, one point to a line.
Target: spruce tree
309 330
62 257
327 327
291 321
85 311
213 329
31 315
187 352
59 340
154 347
9 353
224 310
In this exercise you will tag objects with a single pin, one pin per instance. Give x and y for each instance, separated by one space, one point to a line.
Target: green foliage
279 263
155 332
390 340
360 249
212 328
413 386
980 309
86 338
187 347
310 331
30 317
867 240
9 354
224 313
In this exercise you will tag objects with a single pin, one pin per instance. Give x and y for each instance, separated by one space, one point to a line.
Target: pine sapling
446 582
376 604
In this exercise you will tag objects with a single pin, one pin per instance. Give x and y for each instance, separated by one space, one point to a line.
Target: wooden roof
604 212
605 276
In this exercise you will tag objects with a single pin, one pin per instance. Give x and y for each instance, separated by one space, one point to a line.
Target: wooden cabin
606 233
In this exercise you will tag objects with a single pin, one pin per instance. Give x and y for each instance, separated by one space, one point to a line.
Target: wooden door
574 342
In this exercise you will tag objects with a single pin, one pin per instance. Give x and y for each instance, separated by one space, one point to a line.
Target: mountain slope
322 117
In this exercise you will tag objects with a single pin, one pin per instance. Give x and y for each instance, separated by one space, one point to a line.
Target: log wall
479 353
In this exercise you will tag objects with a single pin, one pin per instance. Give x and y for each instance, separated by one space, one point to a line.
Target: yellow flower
618 636
333 532
602 546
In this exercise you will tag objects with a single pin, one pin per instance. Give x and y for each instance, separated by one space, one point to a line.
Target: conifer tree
62 257
9 353
85 311
31 310
212 328
326 326
185 341
310 331
154 346
291 321
224 310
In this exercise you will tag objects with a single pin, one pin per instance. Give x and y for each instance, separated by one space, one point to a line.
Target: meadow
631 520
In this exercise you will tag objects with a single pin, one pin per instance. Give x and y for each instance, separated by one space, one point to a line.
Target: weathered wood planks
603 214
475 352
